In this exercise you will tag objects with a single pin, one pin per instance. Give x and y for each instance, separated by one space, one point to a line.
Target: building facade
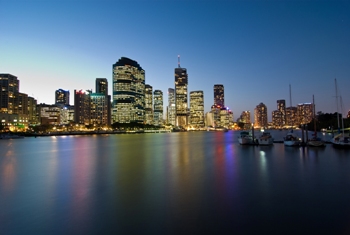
128 92
305 113
62 97
197 109
171 111
219 99
281 107
181 97
9 88
82 104
101 86
291 116
158 107
148 104
260 116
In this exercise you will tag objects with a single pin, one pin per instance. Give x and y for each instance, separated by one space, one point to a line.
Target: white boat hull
266 141
291 143
245 140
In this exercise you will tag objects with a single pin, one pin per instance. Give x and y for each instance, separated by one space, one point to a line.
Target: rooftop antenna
178 61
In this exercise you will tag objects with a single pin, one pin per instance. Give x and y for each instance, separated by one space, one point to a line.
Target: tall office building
32 113
281 106
305 113
101 103
181 96
171 106
219 99
291 116
158 107
128 92
82 105
260 115
61 97
9 88
196 109
277 119
149 104
102 86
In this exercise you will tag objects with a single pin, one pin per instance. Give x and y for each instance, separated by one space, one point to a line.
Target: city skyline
254 49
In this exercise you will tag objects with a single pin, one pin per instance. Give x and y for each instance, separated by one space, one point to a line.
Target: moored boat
315 141
265 139
291 140
245 138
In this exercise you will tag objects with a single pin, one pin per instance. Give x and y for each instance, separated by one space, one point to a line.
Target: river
171 183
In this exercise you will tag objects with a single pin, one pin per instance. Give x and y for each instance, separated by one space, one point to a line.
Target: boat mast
336 97
290 103
342 119
313 104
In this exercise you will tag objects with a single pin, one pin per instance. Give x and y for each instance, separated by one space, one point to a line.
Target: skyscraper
305 113
281 106
82 107
171 106
260 115
9 88
197 109
149 104
158 107
219 99
61 97
102 86
128 92
181 96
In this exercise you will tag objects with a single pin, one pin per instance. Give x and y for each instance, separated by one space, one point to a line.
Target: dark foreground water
175 183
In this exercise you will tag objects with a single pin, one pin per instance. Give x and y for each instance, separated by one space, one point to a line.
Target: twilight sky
254 48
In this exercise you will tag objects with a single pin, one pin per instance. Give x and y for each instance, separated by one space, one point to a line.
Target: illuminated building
281 106
171 107
277 119
305 113
101 86
226 117
181 96
149 104
291 116
260 115
61 97
219 95
197 109
82 107
245 119
9 88
99 109
48 114
32 113
128 92
158 107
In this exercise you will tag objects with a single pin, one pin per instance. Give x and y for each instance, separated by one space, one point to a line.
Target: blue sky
254 48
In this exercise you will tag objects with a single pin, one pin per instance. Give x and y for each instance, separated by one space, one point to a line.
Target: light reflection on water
171 183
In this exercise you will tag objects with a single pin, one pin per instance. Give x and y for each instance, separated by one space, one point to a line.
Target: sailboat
315 141
291 139
342 140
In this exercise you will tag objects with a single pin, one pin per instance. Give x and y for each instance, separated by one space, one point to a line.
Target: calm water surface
174 183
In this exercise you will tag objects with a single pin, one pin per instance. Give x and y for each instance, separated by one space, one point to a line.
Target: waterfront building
305 113
209 119
32 112
9 88
82 106
158 107
291 116
61 97
197 109
245 119
171 107
260 115
99 110
219 99
128 92
48 114
181 96
101 86
277 119
67 115
226 117
148 104
215 110
281 106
